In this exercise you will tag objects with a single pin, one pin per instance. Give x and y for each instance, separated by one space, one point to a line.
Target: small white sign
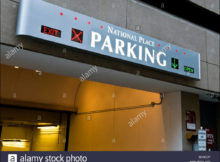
201 136
191 126
202 148
202 143
202 140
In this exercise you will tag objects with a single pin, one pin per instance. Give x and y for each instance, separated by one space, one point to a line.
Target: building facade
58 97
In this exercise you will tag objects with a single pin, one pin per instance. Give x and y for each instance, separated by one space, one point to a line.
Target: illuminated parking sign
49 22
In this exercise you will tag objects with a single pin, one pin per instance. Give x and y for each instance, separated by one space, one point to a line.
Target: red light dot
75 18
89 22
176 51
184 53
101 27
158 45
61 14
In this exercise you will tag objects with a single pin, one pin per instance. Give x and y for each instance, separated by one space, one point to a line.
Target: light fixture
48 129
17 143
45 124
16 67
39 72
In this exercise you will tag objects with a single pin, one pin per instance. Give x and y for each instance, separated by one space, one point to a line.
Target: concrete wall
135 16
212 5
172 29
172 119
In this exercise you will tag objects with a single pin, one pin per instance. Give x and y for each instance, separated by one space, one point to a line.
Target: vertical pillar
172 118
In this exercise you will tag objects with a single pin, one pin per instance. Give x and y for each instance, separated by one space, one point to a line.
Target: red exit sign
50 31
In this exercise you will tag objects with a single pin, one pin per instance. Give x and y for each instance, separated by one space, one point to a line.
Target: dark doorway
210 118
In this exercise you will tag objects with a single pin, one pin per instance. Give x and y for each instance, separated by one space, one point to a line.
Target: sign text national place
43 20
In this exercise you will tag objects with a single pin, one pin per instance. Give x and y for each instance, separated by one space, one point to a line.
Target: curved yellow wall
110 130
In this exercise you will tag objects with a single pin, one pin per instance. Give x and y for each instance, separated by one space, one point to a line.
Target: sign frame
104 38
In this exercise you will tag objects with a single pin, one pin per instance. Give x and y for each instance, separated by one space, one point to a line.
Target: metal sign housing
40 19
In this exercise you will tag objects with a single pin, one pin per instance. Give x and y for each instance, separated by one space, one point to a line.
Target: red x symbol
76 35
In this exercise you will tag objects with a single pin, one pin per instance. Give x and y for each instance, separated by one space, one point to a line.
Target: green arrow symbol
174 65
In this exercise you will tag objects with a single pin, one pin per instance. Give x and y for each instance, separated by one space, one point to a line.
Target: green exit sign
188 69
174 63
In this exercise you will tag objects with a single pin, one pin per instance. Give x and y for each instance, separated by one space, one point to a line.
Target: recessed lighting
14 95
39 72
49 129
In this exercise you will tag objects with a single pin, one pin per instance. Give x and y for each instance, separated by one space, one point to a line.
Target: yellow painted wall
51 139
96 131
33 139
16 133
110 131
21 124
25 87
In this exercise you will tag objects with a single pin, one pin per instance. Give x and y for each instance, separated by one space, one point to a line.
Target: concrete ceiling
45 63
